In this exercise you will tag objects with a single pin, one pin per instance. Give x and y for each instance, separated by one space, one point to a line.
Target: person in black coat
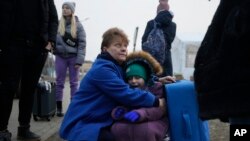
222 64
28 31
164 18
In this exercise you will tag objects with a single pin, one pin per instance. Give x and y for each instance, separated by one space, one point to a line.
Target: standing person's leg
168 67
74 76
61 70
34 60
10 62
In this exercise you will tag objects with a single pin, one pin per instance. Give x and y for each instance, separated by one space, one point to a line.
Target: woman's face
66 11
118 50
136 82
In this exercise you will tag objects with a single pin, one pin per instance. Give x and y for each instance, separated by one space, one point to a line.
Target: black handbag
69 40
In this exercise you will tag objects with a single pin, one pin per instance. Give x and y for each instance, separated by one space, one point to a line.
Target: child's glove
119 112
132 116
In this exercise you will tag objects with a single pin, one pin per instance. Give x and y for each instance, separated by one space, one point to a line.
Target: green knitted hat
136 70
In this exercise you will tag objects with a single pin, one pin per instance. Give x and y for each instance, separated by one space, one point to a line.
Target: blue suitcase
185 124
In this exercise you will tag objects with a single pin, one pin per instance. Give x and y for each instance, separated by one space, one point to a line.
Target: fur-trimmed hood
147 60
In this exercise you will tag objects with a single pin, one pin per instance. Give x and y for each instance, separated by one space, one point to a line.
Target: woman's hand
49 46
167 79
119 112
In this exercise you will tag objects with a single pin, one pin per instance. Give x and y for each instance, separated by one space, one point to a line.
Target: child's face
136 82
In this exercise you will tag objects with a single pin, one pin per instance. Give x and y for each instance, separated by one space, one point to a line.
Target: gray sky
191 16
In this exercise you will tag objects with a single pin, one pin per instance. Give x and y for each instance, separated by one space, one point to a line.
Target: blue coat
101 90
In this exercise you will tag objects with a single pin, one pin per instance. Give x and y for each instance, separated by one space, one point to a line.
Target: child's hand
132 116
119 112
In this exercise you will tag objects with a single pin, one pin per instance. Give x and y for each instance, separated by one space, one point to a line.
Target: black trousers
168 66
21 62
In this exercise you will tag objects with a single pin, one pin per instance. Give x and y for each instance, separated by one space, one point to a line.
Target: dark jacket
101 90
164 18
222 63
48 27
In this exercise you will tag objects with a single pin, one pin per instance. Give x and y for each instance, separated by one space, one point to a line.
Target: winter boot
5 135
24 133
59 112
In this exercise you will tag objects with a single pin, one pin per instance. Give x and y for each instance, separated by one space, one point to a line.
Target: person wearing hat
148 124
164 19
136 75
69 51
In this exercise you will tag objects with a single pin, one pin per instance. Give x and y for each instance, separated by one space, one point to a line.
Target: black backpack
156 44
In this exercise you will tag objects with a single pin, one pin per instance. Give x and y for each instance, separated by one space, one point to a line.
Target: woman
69 51
102 89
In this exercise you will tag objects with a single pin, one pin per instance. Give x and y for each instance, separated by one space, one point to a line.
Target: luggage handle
187 125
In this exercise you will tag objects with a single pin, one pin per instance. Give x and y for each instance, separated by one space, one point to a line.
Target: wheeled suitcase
44 101
182 106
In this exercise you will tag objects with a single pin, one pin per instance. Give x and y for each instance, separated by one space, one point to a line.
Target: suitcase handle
187 124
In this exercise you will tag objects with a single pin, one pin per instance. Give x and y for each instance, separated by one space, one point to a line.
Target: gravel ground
219 131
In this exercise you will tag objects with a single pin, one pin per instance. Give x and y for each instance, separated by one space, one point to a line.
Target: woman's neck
67 18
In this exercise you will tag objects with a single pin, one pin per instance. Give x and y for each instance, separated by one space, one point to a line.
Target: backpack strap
156 23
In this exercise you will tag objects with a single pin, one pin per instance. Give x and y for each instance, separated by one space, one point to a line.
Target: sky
191 16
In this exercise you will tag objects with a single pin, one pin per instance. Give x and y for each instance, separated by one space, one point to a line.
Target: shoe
59 113
25 134
5 135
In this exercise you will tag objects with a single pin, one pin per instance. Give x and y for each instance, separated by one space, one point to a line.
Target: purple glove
119 112
132 116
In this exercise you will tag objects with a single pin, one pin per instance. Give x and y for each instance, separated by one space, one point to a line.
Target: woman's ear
104 49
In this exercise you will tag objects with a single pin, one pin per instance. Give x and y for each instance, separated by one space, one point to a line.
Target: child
141 124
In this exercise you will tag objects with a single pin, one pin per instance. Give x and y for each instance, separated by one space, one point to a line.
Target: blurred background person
70 52
164 21
28 31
